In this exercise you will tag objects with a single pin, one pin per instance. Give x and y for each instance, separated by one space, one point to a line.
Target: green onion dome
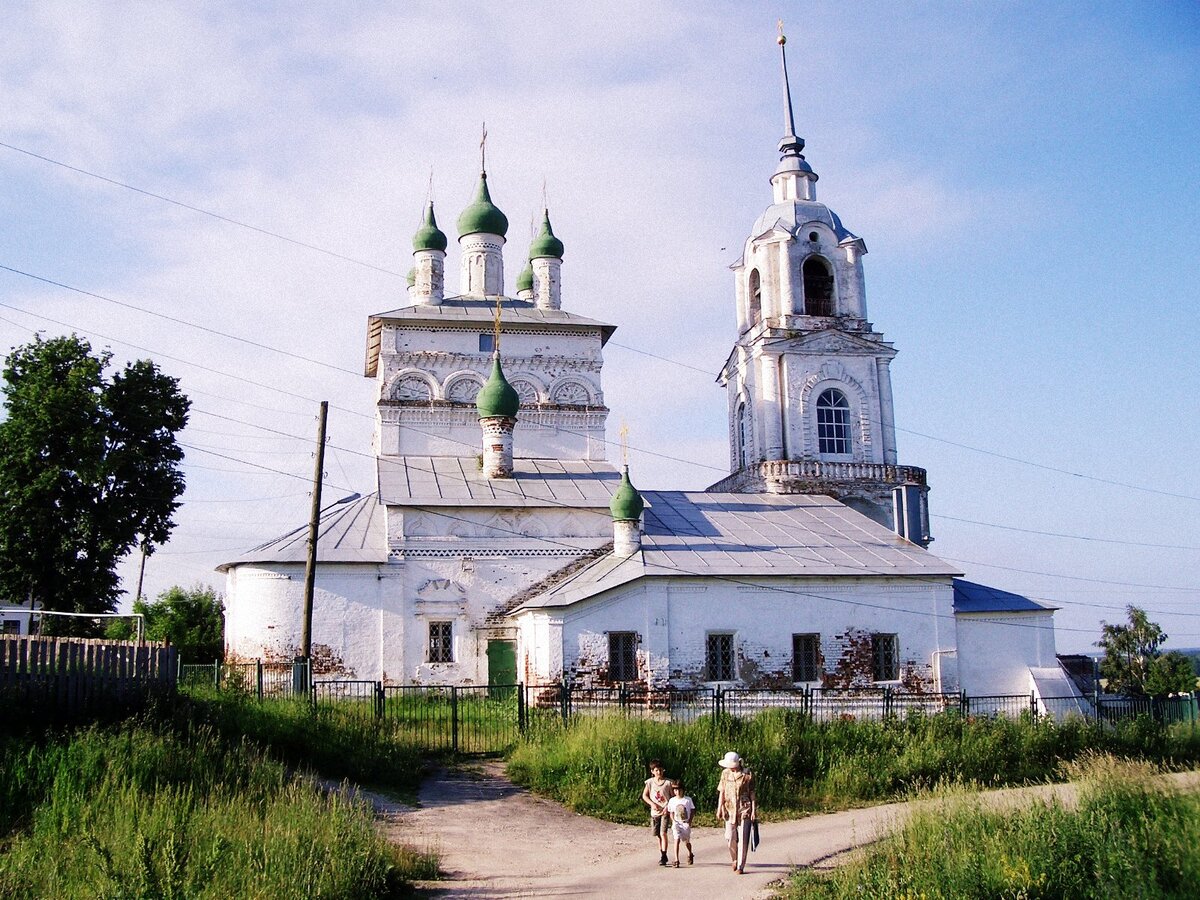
627 504
546 244
525 279
482 216
429 236
411 278
497 397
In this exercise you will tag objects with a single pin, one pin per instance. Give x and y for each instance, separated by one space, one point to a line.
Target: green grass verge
1129 837
597 766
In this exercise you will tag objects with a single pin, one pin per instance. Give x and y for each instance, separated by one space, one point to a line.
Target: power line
202 211
1076 537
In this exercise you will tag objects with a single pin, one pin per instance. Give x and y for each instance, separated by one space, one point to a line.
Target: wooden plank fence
63 677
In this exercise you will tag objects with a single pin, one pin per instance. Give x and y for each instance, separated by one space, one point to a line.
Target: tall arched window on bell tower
742 436
833 423
755 295
818 287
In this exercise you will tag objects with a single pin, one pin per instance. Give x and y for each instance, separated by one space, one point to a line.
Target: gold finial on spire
483 150
624 443
496 326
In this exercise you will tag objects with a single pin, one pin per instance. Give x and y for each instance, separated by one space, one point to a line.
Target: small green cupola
497 398
482 216
429 236
626 504
525 279
411 277
546 245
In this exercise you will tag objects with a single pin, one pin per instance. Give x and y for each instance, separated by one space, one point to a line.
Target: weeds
1130 836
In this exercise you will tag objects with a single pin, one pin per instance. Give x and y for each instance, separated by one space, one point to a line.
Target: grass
597 766
179 810
1130 836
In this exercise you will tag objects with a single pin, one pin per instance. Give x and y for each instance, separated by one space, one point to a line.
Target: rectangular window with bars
622 656
806 657
885 651
441 642
12 626
720 658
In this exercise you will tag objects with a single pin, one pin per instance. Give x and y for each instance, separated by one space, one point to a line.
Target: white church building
501 544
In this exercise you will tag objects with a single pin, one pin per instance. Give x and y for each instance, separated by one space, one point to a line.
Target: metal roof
477 311
970 597
458 481
750 535
350 531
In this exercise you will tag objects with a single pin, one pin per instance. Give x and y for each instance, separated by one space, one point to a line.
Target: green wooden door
502 663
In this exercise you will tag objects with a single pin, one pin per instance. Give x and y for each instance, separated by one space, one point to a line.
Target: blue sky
1025 177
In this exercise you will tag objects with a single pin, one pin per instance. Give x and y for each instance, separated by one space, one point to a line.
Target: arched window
818 287
755 297
833 422
743 437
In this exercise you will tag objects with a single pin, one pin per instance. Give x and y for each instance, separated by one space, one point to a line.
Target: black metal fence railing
480 719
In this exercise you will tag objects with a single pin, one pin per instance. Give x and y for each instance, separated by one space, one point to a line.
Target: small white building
500 545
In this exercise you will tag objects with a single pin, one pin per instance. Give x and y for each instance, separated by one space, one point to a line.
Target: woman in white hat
737 807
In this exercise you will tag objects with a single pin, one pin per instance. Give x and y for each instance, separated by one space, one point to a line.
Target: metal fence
480 719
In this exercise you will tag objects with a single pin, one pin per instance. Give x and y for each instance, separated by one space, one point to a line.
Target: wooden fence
62 677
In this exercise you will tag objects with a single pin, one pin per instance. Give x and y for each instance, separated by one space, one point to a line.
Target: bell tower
808 379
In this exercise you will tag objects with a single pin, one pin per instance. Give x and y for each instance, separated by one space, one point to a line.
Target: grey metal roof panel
458 481
351 531
970 597
474 310
749 536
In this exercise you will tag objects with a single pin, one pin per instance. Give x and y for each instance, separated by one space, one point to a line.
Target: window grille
885 650
833 422
720 658
441 642
806 657
622 656
12 626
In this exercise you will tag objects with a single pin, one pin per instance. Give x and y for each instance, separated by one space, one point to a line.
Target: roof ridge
556 577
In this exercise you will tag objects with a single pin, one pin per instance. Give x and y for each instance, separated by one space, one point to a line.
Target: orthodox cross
483 150
624 443
496 327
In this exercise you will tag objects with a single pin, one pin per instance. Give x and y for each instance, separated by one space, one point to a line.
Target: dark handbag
753 835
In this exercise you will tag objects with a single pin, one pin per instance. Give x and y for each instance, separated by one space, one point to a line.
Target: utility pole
310 569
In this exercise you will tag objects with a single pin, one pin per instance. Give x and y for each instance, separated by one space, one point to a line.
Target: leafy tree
89 468
1171 673
192 619
1134 664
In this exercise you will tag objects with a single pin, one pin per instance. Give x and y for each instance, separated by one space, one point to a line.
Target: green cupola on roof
546 244
497 397
482 216
429 236
411 278
525 279
626 504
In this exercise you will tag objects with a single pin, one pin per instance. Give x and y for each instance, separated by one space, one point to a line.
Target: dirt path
498 840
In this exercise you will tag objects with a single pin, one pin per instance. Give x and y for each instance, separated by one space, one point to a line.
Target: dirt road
497 840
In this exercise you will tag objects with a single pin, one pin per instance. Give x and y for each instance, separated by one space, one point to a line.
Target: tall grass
336 745
597 765
140 811
1129 837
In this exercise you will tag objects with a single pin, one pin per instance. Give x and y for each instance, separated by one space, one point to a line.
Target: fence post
521 724
454 718
564 701
217 676
1033 710
964 704
258 678
887 702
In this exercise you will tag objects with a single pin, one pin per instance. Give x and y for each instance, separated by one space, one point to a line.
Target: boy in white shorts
681 809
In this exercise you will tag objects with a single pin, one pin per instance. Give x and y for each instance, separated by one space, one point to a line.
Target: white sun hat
730 759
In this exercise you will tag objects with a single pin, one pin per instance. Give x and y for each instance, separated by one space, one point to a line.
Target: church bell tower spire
809 381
